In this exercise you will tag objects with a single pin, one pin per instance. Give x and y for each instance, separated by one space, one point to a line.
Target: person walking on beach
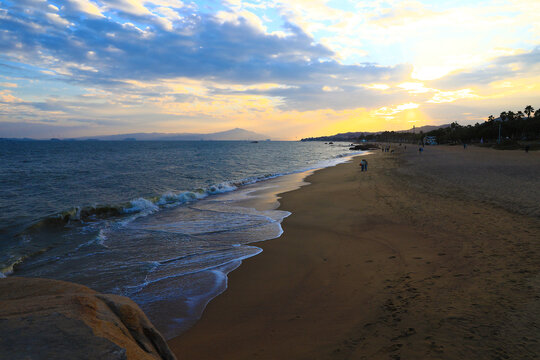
363 164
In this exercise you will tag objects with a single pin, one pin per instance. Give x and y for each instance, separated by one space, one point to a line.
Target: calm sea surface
148 220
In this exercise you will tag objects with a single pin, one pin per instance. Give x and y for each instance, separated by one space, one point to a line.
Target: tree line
509 127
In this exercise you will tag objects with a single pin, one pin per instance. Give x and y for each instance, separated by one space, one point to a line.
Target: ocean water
160 222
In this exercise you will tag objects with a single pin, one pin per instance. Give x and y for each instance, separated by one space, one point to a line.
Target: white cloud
7 97
378 86
8 85
237 17
389 111
57 19
168 13
415 87
331 88
87 7
133 7
167 3
451 96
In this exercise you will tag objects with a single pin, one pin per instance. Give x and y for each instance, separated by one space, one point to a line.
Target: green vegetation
509 131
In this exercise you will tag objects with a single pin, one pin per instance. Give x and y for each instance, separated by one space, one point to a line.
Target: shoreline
381 264
189 295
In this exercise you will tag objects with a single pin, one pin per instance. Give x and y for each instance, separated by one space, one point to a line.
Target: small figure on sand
363 165
420 149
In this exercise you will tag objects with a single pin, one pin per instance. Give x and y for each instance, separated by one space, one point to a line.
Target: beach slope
413 259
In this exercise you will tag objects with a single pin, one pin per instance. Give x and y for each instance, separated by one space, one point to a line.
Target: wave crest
143 207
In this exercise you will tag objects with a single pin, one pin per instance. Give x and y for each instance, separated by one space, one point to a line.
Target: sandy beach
424 256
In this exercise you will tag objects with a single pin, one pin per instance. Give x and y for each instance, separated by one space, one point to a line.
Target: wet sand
425 256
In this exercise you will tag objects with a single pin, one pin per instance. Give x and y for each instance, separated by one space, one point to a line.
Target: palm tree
510 116
528 110
491 118
519 115
503 116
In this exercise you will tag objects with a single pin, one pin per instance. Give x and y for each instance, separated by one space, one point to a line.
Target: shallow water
160 222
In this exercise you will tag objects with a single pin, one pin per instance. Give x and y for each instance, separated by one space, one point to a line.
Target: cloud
415 87
438 96
57 19
401 14
227 47
35 130
7 97
241 18
450 96
378 86
389 111
132 7
168 63
87 7
239 52
523 65
331 88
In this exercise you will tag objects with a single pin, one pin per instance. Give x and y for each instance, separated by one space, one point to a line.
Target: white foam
141 205
100 239
181 198
221 188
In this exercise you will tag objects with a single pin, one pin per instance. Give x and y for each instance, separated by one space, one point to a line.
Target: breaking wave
143 207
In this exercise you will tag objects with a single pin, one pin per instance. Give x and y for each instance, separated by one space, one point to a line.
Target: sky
287 69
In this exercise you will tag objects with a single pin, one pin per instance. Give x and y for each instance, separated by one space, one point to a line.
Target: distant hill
426 128
234 134
352 136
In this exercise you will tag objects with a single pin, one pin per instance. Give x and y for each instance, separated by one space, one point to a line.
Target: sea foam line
146 207
141 207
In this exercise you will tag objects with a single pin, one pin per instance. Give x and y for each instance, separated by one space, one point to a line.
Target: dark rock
50 319
364 147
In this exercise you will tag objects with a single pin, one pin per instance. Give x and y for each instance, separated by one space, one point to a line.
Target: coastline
387 263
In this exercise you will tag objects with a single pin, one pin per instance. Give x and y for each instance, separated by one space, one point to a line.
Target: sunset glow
288 69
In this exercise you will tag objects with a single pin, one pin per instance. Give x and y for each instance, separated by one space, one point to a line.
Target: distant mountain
350 136
353 136
234 134
426 128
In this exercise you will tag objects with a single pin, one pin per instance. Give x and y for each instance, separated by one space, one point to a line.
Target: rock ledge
50 319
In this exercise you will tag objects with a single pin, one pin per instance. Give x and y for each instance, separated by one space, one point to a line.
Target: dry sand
425 256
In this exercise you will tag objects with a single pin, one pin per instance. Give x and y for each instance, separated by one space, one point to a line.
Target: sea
162 222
